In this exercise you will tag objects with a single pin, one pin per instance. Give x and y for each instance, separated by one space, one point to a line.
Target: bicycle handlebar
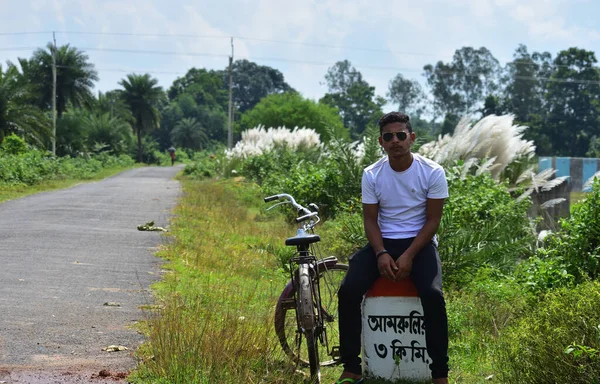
292 201
305 212
305 217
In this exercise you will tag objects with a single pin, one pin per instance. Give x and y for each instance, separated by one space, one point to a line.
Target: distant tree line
558 98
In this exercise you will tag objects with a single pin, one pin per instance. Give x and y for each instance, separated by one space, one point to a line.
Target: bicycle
307 307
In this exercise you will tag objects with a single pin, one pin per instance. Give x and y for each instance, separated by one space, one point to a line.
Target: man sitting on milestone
403 197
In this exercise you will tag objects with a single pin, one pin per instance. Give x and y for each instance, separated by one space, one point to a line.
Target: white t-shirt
402 196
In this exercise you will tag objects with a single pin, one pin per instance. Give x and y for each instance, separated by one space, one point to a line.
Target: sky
301 38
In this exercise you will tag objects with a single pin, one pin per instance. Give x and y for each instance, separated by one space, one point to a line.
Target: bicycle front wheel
286 327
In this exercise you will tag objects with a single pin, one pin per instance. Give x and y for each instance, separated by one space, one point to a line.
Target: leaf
569 349
467 166
487 166
553 183
552 202
525 175
524 195
588 184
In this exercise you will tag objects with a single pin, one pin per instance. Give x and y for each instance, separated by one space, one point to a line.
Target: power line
329 46
288 42
151 52
18 49
25 33
306 62
145 34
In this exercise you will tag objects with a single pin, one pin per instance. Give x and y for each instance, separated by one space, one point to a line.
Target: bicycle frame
302 294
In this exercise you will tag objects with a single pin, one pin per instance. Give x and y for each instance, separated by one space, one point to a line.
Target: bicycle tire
285 317
312 347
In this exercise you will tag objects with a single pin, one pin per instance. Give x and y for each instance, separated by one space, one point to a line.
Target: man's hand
387 267
403 267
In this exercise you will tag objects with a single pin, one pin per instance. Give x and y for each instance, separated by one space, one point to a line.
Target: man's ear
380 141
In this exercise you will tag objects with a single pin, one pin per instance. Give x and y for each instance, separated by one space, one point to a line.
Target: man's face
391 139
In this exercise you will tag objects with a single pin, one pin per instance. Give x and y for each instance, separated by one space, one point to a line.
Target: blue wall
577 169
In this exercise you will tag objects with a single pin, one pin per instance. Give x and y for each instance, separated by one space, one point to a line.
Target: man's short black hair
394 117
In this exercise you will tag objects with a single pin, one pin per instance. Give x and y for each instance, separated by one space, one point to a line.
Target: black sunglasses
388 136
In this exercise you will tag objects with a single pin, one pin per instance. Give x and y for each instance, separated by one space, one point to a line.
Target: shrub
576 246
482 225
13 145
539 347
480 311
34 166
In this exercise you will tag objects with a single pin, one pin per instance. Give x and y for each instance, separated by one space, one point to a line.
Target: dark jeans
427 277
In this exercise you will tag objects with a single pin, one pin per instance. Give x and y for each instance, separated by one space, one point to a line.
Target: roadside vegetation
521 310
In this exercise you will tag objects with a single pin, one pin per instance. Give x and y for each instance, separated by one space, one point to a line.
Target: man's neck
401 163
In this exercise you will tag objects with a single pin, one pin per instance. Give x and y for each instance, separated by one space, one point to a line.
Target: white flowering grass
493 144
494 137
259 140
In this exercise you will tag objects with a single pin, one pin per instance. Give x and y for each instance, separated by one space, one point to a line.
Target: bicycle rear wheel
286 328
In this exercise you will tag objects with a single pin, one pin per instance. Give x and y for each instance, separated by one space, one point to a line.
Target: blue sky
301 38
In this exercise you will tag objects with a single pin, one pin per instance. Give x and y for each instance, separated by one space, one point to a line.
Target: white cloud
396 31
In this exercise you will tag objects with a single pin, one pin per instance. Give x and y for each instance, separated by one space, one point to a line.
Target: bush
14 145
540 348
34 166
482 225
478 313
576 246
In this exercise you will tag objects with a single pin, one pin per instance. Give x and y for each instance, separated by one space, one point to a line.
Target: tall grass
216 304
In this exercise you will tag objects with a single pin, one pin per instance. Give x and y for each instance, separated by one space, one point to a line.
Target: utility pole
54 95
229 130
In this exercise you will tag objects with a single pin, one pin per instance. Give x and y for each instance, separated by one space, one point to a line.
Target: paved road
63 255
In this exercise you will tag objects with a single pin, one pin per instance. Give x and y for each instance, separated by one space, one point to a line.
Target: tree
106 133
143 96
459 87
573 100
527 74
206 87
407 94
113 104
18 115
342 76
353 97
75 77
189 133
291 110
213 120
252 82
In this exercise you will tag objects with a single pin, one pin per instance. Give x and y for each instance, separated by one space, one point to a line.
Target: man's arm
433 217
385 262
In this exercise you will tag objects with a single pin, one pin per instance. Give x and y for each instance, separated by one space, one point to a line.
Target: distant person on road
172 154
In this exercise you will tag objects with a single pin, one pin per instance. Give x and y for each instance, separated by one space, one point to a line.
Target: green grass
217 303
215 322
213 318
10 192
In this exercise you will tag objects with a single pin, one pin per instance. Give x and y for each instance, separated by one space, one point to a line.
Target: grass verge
215 323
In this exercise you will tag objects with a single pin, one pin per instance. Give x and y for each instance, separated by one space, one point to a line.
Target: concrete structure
394 332
577 169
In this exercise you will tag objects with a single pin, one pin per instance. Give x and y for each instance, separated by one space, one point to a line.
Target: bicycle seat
302 240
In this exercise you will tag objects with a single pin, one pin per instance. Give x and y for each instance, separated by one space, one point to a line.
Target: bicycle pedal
335 353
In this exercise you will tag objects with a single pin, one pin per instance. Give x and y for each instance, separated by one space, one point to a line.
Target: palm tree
189 133
17 113
143 97
113 134
75 77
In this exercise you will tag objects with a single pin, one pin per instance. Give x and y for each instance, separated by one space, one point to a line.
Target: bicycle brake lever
280 203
